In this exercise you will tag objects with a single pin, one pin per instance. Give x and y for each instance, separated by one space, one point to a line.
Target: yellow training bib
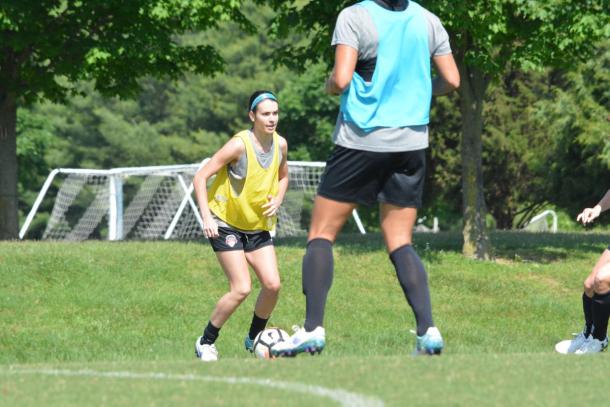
244 211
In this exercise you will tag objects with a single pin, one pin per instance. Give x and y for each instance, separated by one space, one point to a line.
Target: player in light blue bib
382 73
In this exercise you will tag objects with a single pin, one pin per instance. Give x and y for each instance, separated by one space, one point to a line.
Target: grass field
114 324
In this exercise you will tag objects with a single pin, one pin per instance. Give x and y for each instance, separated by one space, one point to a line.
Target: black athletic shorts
366 177
230 239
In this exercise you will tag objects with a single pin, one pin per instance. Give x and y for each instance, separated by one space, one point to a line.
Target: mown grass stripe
343 397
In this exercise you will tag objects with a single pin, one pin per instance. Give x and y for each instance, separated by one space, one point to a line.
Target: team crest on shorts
231 240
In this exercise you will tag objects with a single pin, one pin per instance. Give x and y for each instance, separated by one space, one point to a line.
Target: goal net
540 222
148 203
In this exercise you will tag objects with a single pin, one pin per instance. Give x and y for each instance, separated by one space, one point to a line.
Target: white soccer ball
266 339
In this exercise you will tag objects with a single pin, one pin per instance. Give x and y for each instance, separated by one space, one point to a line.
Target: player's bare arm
448 78
346 58
229 153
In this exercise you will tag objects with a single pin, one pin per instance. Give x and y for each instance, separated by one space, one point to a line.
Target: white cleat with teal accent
593 346
431 343
300 342
578 342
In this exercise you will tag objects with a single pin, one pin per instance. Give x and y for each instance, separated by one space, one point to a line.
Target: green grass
138 307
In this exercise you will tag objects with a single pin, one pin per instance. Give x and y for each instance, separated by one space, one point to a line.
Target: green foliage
515 150
168 122
312 21
544 141
522 33
545 145
36 137
490 34
577 115
49 46
309 115
489 39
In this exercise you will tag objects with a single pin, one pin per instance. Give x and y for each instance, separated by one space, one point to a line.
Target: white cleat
205 352
593 346
301 341
578 342
431 343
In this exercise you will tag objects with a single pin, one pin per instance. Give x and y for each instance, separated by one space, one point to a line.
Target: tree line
543 132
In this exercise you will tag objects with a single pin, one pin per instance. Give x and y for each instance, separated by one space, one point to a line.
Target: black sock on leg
317 280
601 313
587 308
210 334
258 324
414 282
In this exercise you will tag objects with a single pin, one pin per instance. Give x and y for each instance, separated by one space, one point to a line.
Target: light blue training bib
400 90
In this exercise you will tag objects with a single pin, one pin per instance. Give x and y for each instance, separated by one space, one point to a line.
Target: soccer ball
266 339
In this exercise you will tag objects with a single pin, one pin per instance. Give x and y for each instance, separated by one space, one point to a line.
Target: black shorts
230 239
366 177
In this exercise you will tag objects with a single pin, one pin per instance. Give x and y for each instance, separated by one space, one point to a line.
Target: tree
487 37
47 46
545 143
308 115
577 115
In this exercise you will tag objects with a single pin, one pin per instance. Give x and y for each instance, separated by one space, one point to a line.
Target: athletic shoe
593 346
431 343
205 352
578 342
249 344
301 341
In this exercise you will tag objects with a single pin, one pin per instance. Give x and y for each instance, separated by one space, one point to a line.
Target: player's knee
273 286
329 235
241 292
601 282
600 286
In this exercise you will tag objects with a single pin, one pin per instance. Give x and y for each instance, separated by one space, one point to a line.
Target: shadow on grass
547 247
515 246
512 245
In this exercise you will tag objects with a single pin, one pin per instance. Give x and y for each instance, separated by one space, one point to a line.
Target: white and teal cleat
301 342
578 342
593 346
431 343
249 344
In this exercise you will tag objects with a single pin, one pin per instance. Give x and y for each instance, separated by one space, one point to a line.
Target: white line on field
343 397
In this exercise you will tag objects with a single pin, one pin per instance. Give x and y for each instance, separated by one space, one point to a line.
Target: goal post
146 203
539 222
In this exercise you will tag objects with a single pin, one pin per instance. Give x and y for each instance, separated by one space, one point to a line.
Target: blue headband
260 98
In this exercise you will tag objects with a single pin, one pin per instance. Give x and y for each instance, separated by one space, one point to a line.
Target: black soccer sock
601 313
587 304
317 277
210 334
414 282
257 325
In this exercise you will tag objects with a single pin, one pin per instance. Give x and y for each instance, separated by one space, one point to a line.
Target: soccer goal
147 203
540 223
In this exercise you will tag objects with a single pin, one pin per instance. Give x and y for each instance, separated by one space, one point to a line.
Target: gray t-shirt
355 28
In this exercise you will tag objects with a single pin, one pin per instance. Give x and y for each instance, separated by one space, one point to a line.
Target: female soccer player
383 53
596 296
238 211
